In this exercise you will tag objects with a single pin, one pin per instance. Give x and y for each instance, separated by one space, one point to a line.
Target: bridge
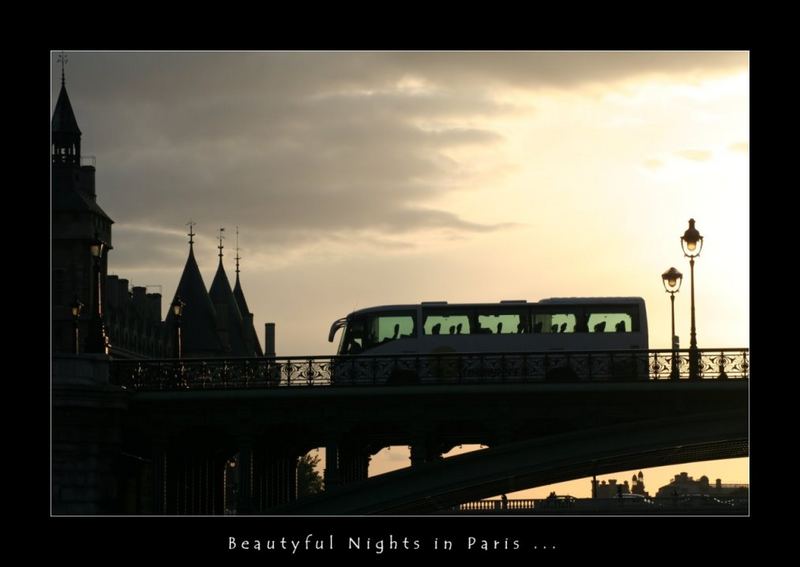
546 417
631 504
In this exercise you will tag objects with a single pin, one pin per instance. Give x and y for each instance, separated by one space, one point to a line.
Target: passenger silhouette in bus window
563 327
582 325
500 328
600 327
458 328
554 328
436 328
396 332
521 327
452 330
537 327
620 328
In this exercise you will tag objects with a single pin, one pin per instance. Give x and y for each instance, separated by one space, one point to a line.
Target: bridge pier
244 498
354 463
331 475
87 436
188 482
274 477
159 476
346 462
424 451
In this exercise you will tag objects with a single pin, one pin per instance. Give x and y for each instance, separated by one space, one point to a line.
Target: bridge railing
449 368
629 504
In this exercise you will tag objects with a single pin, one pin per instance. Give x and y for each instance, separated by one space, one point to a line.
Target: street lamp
689 242
177 310
76 313
672 279
97 341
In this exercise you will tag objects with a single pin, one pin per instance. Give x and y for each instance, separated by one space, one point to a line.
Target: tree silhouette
309 480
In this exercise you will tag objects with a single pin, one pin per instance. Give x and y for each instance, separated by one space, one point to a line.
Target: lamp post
97 341
76 313
689 242
672 279
177 310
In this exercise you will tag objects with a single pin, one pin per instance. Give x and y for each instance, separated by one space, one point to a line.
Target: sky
367 178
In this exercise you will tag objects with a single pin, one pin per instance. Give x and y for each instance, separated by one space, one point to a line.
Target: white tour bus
548 326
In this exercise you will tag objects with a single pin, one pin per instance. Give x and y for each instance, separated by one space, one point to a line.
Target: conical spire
66 134
199 326
249 331
237 289
229 318
64 117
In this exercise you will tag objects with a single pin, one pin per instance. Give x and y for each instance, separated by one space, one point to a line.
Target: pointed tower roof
239 295
68 195
199 320
237 289
63 116
249 330
228 315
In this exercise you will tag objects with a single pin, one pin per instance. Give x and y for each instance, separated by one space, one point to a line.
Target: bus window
611 322
554 322
395 326
367 332
454 324
501 324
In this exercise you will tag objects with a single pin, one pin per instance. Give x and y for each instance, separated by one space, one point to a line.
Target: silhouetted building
637 485
222 327
230 324
684 485
248 328
610 489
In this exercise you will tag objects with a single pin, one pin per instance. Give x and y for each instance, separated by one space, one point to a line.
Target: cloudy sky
361 179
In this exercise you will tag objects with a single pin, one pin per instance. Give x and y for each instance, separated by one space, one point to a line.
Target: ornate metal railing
451 368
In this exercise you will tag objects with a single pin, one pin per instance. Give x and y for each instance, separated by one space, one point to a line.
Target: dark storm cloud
295 147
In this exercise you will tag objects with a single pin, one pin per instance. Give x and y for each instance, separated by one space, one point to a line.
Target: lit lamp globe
672 279
690 240
76 309
177 306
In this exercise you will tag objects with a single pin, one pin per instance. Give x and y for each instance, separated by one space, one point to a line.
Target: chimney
154 307
269 339
112 295
122 294
140 300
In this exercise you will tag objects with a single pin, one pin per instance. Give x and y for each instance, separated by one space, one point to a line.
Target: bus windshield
365 332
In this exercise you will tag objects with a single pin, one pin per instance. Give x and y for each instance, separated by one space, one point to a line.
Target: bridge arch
438 486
